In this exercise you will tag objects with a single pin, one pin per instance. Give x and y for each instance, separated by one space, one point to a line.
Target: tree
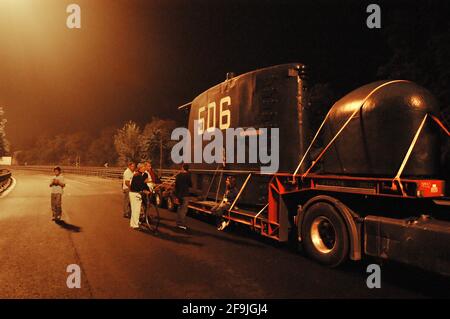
75 148
70 149
420 46
156 143
4 145
102 148
127 142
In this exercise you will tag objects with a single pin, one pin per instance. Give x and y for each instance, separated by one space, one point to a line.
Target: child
57 185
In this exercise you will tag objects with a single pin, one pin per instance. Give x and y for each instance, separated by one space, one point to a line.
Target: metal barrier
103 172
5 179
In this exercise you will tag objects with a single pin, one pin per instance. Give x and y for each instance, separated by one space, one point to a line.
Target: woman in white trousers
136 203
138 185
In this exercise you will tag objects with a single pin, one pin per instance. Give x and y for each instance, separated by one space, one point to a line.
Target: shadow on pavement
219 236
69 227
185 240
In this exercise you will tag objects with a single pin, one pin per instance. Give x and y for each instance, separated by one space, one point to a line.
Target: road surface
117 262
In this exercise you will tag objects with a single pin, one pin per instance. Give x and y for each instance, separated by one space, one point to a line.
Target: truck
370 180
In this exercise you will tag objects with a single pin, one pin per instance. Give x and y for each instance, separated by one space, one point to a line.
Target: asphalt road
117 262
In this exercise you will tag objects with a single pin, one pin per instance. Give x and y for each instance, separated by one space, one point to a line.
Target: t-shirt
56 189
127 176
147 176
138 183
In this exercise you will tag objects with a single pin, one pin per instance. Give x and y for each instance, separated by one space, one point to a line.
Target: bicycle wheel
152 217
143 212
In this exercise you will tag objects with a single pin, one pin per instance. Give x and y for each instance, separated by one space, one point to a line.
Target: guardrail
5 179
103 172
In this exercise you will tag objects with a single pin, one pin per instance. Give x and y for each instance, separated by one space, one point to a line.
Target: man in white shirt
126 182
57 184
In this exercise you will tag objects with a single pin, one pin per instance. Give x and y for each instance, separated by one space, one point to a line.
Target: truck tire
325 236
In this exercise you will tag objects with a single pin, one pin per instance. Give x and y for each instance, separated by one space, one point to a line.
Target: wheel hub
323 234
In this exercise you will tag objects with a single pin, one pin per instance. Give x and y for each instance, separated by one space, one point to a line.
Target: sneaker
223 225
183 227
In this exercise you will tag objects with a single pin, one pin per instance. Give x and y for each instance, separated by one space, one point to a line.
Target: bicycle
149 211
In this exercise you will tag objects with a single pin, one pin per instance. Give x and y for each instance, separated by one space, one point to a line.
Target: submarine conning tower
377 139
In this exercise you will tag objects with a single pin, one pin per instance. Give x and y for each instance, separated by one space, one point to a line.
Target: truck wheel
325 236
159 200
170 204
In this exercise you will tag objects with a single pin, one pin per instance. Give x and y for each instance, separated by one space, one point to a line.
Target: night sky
134 59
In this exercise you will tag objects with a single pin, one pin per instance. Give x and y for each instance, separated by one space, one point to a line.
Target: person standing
230 195
126 182
57 184
182 184
151 180
150 175
138 187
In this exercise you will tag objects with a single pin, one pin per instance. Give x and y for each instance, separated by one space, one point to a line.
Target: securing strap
411 147
214 176
442 126
239 194
218 186
408 154
311 144
344 126
212 180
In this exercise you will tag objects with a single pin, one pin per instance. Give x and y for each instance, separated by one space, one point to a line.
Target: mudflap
422 242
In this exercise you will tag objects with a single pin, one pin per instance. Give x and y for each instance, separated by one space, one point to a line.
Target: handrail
259 213
106 172
119 170
239 194
89 171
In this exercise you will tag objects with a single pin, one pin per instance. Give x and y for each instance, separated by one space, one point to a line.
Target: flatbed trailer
370 181
405 224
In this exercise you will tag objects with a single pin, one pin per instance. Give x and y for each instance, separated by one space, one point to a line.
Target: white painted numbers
374 19
233 140
74 279
207 114
74 19
226 101
374 279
